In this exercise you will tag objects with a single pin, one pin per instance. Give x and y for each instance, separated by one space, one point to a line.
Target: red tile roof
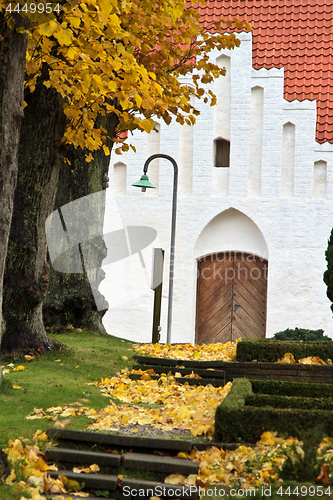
295 34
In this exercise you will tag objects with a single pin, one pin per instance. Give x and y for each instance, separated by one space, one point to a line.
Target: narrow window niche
319 179
119 178
222 153
288 160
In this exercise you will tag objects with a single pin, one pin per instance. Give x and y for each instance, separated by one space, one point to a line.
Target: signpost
156 285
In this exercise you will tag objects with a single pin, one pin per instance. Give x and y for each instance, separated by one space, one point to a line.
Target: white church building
255 192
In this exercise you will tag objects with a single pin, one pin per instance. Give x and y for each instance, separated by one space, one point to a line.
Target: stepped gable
296 35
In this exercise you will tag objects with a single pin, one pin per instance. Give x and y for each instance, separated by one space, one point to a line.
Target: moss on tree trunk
27 271
69 300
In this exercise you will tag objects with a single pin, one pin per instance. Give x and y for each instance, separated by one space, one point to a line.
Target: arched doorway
232 260
231 297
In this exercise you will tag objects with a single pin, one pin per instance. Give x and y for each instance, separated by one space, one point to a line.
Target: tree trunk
69 300
26 273
13 47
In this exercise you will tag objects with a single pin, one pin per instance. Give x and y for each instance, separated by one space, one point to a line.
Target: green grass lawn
58 379
46 381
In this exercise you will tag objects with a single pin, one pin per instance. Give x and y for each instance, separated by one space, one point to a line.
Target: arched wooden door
231 297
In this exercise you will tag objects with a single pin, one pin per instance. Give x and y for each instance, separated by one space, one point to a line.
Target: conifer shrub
328 274
302 334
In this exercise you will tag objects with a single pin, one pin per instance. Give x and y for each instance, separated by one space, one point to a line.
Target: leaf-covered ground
164 405
204 352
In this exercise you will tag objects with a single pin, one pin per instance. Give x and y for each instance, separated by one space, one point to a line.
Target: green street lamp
144 183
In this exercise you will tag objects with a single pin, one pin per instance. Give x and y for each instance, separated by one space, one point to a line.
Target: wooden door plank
219 272
240 289
258 293
257 313
208 322
214 302
213 332
223 335
251 272
216 289
247 325
237 333
258 267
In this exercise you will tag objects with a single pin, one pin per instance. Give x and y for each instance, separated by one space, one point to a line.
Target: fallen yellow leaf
287 358
175 479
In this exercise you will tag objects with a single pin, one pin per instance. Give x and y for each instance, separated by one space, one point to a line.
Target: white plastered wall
276 182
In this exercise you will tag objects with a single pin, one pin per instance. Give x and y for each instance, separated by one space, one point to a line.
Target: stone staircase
221 372
209 371
130 456
133 457
145 462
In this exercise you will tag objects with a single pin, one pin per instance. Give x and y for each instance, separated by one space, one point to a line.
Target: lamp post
145 183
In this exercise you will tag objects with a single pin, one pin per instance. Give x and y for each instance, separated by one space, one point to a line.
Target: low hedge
248 423
236 422
270 350
296 389
289 402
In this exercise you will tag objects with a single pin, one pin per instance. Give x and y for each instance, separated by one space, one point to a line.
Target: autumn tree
93 67
13 45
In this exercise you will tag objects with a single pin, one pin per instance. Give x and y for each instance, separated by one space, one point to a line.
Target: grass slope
46 381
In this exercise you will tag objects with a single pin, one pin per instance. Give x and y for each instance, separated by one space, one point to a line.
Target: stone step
63 455
72 496
156 463
136 461
129 487
94 481
252 370
117 440
190 381
187 363
206 373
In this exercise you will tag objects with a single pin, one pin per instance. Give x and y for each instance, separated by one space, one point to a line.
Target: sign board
157 271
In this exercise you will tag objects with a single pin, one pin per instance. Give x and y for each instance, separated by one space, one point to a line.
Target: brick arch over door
231 297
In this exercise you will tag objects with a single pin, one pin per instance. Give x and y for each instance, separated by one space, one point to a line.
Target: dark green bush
302 334
247 423
304 464
289 402
235 422
296 389
328 274
270 350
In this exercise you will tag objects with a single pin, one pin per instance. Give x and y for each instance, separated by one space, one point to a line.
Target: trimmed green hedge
248 423
270 350
289 402
296 389
236 422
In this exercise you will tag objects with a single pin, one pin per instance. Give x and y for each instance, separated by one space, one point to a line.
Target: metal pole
173 233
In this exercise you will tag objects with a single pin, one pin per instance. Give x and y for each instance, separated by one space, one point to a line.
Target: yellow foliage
287 358
127 58
34 478
268 438
218 351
